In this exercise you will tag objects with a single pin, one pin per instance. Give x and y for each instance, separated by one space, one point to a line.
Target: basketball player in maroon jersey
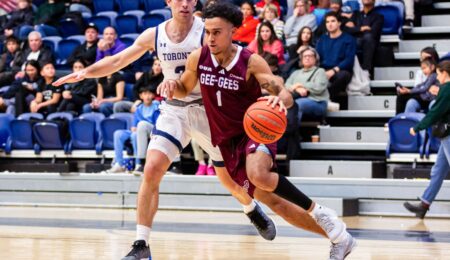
231 79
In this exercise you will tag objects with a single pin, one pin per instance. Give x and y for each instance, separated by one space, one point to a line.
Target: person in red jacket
247 31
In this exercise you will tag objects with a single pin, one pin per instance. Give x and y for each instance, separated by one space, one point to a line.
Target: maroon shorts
235 153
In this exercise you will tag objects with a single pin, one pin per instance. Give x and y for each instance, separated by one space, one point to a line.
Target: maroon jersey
226 93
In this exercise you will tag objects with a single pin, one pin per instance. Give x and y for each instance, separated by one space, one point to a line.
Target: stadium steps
442 5
435 20
390 83
362 114
337 169
380 102
410 49
395 73
353 134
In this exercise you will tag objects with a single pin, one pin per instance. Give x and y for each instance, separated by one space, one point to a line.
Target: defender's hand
71 78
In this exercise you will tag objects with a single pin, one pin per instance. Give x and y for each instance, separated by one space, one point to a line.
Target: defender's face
218 34
182 8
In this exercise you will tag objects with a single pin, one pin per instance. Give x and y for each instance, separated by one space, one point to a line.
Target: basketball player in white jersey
180 120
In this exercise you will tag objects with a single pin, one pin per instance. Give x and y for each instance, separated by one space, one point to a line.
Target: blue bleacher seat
393 16
65 49
137 13
127 40
112 15
127 117
150 5
164 12
101 22
5 132
127 24
80 38
152 20
49 135
129 94
353 4
400 141
51 42
127 5
68 27
21 132
433 144
107 127
103 5
85 131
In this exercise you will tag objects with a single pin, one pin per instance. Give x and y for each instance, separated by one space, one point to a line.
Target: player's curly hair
225 10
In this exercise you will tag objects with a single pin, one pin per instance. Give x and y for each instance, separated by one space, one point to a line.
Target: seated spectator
419 97
427 52
266 40
270 14
110 89
48 16
272 60
337 50
47 95
262 3
109 45
322 8
344 15
6 61
150 79
304 40
22 91
366 26
78 94
21 17
144 121
300 18
88 50
247 31
309 86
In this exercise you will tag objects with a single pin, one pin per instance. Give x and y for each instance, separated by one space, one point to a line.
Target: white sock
316 208
143 233
250 207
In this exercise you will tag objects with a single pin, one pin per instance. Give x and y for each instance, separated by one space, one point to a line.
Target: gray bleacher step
442 5
390 83
362 114
395 73
431 30
337 169
418 45
411 55
344 146
440 209
353 134
435 20
390 38
371 102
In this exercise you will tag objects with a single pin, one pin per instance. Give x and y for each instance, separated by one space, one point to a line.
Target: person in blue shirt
144 120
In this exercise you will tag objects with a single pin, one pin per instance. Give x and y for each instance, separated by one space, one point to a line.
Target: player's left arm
258 67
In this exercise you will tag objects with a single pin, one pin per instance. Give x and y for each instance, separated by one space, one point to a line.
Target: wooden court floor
73 233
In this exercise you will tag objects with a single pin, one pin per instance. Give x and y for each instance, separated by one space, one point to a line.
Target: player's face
265 33
332 24
182 8
218 34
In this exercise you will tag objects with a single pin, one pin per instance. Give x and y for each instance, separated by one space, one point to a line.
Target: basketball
264 124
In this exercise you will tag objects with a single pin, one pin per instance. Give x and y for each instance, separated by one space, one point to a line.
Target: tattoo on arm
272 87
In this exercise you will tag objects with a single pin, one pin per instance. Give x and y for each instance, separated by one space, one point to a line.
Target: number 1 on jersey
219 98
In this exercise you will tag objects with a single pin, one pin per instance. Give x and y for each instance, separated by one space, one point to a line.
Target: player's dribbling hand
167 89
273 101
71 78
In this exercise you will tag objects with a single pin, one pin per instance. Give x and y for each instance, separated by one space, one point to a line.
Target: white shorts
177 125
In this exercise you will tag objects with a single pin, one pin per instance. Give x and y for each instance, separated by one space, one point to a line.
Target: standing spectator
77 94
337 50
88 50
22 16
366 27
266 40
419 97
309 86
47 95
109 45
110 89
270 14
440 112
247 31
262 3
300 18
7 59
144 121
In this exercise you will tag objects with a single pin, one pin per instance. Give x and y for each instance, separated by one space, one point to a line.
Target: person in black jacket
6 61
88 50
22 16
78 94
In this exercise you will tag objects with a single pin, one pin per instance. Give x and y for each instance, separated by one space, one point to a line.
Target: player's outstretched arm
108 65
258 67
182 87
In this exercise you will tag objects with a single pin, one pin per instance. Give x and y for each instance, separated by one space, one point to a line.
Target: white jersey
173 56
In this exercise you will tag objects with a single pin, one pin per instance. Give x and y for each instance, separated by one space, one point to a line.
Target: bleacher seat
101 22
354 5
393 16
65 49
21 132
127 5
103 5
5 132
129 94
150 5
127 24
400 141
127 40
68 27
137 13
433 144
85 131
108 126
127 117
80 38
51 42
152 20
49 135
164 12
112 15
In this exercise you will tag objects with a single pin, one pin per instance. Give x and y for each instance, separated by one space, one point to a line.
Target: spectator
272 60
262 3
247 31
270 14
322 8
88 50
419 97
440 112
427 52
110 89
366 26
304 39
22 16
199 156
409 14
7 59
144 121
309 86
22 91
267 40
300 18
337 50
344 17
48 16
47 95
109 45
149 79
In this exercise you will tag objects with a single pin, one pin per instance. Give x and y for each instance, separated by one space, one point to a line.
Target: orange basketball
264 124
